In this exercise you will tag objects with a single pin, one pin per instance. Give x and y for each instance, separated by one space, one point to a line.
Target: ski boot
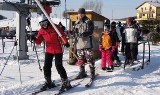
48 84
117 63
92 70
65 85
110 68
82 73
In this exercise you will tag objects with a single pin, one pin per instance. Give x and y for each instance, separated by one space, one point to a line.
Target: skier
107 46
130 41
84 29
121 28
115 43
53 49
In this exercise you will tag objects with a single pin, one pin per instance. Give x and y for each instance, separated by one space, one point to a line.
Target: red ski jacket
54 43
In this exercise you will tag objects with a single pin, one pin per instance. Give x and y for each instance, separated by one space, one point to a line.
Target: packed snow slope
118 82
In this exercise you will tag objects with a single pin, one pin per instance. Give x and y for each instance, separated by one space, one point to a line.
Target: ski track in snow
118 82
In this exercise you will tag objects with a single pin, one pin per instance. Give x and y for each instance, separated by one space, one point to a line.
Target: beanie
81 11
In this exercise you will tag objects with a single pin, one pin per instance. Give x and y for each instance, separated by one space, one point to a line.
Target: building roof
156 4
87 11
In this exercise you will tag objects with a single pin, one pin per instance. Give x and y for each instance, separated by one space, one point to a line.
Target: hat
42 18
81 11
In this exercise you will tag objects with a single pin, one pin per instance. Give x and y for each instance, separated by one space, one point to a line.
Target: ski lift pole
143 55
149 51
57 31
15 44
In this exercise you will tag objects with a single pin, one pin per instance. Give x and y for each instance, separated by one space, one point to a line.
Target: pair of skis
89 84
138 66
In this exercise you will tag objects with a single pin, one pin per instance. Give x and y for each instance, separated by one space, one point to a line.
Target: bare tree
95 5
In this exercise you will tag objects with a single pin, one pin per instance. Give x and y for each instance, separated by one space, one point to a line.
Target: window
140 16
150 8
142 9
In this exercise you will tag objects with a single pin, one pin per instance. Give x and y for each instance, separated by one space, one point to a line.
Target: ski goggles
43 23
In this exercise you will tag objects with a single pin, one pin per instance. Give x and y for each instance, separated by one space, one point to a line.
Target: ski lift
51 2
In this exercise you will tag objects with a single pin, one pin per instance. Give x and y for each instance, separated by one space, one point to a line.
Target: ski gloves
102 49
32 36
67 45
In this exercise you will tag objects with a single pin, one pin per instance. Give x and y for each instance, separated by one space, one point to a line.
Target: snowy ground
119 82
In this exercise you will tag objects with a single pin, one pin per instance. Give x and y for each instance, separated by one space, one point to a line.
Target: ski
89 83
60 92
39 91
140 65
58 83
91 80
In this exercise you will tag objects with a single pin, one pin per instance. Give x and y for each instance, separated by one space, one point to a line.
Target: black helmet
113 23
106 22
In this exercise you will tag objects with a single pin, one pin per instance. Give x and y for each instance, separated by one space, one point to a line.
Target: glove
113 49
116 45
100 48
67 45
85 34
33 38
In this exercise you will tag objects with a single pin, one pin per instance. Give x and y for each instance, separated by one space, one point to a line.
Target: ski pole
57 31
7 60
37 57
15 44
29 25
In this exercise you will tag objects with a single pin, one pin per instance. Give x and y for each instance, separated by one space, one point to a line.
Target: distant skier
107 46
115 42
131 32
121 29
54 48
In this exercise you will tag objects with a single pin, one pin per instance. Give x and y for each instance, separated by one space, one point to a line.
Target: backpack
106 41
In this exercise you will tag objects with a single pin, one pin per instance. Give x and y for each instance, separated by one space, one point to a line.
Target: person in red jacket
54 48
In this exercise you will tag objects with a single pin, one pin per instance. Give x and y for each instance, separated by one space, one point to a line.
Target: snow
118 82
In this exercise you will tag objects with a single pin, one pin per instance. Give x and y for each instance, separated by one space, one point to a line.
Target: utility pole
66 14
112 14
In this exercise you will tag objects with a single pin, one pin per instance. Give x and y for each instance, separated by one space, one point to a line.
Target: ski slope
118 82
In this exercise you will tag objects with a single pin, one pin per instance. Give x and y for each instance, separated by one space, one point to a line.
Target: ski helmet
106 24
42 18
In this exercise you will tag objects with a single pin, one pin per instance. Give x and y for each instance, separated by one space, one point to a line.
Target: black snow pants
58 63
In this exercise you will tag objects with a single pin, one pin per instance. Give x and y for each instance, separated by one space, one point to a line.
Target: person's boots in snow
92 70
48 84
65 85
110 68
82 73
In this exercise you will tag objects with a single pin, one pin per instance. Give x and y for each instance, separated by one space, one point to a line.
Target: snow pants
85 55
58 63
131 50
106 57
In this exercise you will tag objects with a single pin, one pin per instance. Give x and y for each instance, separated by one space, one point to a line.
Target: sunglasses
43 23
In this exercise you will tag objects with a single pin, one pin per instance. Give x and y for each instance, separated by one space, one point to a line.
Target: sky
112 9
